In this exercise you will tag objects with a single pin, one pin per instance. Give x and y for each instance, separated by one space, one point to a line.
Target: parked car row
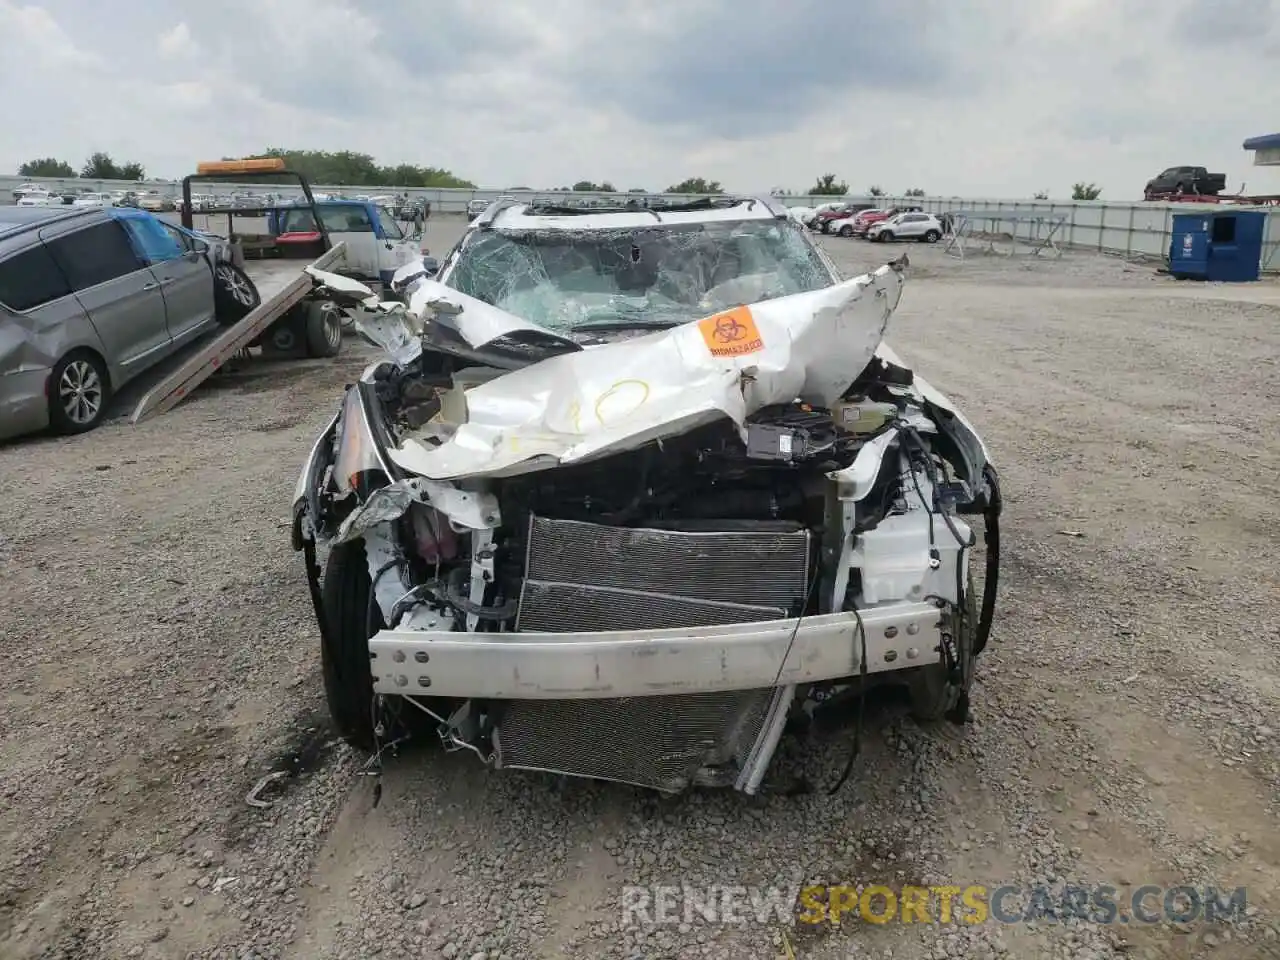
882 224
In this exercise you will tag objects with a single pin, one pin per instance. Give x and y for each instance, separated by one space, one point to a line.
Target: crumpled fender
856 480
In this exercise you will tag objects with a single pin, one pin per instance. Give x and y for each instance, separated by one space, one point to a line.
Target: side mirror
431 265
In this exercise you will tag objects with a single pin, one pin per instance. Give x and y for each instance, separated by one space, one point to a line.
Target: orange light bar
260 165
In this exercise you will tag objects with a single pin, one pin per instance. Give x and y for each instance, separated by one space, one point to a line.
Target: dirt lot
159 656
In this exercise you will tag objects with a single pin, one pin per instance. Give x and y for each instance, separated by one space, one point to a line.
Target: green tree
589 186
347 168
914 192
828 186
696 185
1085 191
100 166
637 190
874 191
1040 195
46 167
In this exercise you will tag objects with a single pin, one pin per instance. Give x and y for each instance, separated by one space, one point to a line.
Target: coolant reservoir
863 416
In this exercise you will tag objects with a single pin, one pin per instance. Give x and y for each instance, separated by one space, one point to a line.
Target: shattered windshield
660 276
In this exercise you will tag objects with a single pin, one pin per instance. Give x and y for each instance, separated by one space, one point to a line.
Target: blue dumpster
1217 246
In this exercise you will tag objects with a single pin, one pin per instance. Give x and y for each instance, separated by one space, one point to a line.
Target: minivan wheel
78 393
931 236
234 294
846 231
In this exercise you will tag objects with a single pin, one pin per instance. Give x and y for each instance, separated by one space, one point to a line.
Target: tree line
99 166
343 168
347 168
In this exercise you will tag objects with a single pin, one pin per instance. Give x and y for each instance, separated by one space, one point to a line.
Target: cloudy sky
960 97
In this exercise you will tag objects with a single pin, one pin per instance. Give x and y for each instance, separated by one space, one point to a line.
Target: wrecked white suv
634 488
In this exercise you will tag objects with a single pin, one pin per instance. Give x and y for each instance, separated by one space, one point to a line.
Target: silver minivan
89 298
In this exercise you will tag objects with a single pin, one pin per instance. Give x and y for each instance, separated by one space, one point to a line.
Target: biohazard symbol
731 334
729 330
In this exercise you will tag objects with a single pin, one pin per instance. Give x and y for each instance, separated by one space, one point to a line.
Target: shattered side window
664 275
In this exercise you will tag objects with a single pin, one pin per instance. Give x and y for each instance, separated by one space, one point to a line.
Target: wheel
931 692
846 231
885 236
351 617
931 236
826 226
78 392
283 337
350 620
234 294
323 329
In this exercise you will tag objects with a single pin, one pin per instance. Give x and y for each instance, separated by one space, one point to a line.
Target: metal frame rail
196 369
1039 237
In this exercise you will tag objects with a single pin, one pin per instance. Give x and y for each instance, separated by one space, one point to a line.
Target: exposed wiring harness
377 706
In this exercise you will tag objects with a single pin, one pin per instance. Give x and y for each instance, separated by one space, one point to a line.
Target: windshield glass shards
571 280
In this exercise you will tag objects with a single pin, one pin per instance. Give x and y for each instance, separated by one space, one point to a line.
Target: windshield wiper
635 324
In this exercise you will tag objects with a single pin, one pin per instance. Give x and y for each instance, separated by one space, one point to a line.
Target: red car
823 220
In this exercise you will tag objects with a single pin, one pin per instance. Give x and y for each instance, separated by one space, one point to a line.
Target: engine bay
772 477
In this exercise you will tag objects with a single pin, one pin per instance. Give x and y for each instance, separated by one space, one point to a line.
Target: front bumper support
643 663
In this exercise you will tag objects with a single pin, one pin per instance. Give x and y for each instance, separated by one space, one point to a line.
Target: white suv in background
907 226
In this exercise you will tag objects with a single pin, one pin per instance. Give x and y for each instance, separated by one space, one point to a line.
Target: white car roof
519 217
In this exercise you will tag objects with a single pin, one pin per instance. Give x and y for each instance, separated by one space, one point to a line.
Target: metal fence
1126 228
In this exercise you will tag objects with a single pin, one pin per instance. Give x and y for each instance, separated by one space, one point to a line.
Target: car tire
349 621
323 329
885 236
283 338
79 391
351 617
931 236
846 231
234 294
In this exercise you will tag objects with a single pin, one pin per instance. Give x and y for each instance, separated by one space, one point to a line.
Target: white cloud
960 97
176 43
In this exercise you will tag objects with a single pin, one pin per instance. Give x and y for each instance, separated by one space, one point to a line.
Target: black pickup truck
1195 180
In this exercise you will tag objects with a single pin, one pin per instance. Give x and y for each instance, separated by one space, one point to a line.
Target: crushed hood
612 397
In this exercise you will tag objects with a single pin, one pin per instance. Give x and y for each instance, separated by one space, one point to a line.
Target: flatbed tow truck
292 316
1238 199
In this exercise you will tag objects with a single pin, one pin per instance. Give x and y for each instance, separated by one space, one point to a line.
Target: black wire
808 597
856 748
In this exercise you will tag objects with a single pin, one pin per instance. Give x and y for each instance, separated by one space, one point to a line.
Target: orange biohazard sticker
731 334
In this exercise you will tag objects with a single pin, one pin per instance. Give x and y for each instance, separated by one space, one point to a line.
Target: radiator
738 566
588 577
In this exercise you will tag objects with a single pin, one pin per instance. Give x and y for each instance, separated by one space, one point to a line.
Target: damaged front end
635 559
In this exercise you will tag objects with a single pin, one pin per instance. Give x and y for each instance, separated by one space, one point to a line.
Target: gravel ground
160 657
